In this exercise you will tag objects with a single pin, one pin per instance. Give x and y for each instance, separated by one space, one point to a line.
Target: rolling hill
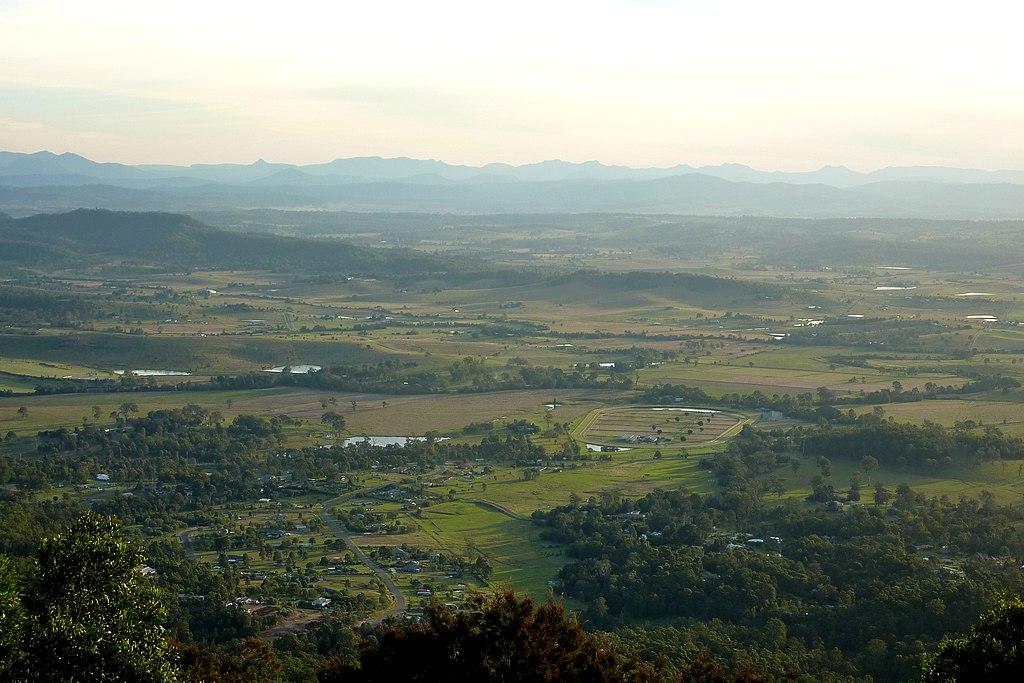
166 241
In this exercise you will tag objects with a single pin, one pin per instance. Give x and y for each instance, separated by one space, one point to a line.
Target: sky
787 85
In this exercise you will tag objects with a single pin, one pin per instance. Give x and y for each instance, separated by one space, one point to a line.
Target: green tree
993 650
826 466
882 495
91 614
127 408
12 619
334 421
502 638
245 661
869 464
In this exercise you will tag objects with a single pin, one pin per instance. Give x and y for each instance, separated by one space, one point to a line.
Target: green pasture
1008 416
633 473
67 410
753 374
521 558
16 383
34 368
999 478
403 415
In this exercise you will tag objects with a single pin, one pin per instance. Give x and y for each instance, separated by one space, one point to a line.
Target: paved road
343 534
186 542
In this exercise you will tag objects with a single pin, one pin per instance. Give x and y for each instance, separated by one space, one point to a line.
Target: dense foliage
994 649
86 614
843 594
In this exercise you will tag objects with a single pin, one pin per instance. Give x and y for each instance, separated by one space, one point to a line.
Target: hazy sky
775 84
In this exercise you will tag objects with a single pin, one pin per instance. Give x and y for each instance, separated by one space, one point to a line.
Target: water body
295 369
385 440
154 373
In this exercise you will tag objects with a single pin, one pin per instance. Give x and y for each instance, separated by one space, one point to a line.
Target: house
102 477
321 603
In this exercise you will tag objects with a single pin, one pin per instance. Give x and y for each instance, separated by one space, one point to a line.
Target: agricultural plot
1007 416
755 375
34 368
401 416
16 384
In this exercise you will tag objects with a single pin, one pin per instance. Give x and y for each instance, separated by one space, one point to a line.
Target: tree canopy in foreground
87 614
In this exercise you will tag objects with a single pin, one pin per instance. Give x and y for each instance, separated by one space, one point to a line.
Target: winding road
186 542
343 534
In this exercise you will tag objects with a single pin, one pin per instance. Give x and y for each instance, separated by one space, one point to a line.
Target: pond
385 440
295 369
154 373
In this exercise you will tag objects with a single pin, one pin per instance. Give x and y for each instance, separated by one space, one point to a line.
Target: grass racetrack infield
657 425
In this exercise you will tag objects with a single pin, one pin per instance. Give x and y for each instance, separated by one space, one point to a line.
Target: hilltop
176 241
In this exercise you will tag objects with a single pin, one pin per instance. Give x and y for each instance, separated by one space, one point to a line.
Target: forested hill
179 242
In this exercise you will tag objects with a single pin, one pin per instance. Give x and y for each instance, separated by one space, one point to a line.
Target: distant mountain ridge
47 182
360 169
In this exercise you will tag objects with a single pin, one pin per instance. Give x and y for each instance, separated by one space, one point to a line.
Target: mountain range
44 181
